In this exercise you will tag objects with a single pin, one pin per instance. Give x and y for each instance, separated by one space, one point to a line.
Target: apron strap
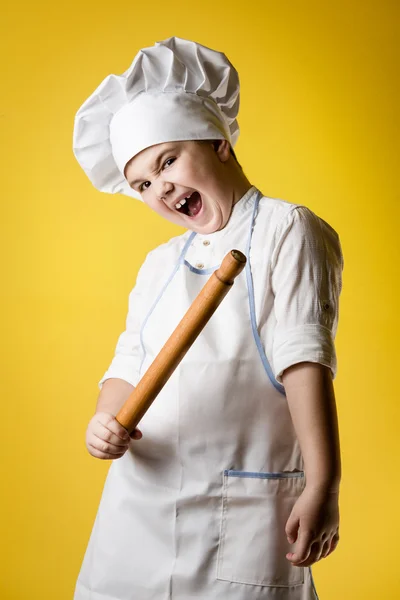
250 288
180 261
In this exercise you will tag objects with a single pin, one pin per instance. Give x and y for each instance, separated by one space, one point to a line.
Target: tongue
194 204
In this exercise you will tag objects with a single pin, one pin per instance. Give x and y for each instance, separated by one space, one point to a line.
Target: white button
206 243
200 266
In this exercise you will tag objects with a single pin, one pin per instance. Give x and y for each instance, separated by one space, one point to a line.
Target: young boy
230 487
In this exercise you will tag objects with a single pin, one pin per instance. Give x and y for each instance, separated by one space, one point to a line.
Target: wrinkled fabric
177 90
297 263
197 508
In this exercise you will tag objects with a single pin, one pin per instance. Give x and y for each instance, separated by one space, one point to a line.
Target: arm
311 399
114 393
313 523
306 268
105 437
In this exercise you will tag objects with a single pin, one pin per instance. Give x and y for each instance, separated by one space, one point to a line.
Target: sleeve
306 271
128 353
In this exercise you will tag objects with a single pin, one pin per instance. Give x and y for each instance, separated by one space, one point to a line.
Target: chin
213 224
209 228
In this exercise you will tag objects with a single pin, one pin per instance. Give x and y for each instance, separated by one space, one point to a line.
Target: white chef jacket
219 455
298 261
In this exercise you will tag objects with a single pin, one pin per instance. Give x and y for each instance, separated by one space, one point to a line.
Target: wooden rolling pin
180 340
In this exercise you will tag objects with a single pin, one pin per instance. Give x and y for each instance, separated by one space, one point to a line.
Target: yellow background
319 126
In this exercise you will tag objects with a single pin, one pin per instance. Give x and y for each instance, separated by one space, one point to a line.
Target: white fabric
297 265
197 508
177 90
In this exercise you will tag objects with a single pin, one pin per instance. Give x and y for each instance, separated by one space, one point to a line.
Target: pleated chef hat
177 90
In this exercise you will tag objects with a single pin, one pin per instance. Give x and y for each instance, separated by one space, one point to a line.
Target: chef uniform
197 508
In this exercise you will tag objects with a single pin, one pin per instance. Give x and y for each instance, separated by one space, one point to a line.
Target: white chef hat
177 90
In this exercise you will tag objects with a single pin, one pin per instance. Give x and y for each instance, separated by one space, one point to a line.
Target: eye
141 189
169 160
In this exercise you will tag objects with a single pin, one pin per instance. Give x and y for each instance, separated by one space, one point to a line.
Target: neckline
238 209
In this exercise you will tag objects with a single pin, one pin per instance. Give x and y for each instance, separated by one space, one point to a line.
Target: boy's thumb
136 434
292 528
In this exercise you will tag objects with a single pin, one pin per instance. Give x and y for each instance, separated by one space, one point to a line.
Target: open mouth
191 205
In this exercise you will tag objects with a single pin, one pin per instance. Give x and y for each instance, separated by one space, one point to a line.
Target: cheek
160 208
185 173
153 203
194 170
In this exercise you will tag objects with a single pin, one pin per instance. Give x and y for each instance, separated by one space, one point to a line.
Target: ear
223 149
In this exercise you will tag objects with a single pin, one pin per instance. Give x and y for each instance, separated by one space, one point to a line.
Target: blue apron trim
170 278
200 271
186 247
260 475
250 290
250 287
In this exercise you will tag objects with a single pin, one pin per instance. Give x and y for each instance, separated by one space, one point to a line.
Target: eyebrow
155 166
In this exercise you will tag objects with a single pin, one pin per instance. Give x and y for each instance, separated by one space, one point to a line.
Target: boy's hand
106 438
313 524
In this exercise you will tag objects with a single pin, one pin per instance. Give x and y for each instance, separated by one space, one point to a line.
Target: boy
238 457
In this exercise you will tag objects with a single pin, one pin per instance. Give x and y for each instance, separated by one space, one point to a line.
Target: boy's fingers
333 543
319 550
303 547
112 425
104 455
325 549
106 434
316 551
313 557
106 447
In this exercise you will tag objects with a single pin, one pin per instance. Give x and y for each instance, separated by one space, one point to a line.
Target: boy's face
167 173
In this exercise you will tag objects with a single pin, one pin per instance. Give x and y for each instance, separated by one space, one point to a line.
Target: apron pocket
253 542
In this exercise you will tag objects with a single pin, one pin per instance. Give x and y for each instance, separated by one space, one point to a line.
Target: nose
163 189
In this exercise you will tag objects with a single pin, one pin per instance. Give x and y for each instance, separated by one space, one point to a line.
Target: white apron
197 509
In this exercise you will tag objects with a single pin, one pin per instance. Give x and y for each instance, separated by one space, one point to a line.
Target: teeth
181 203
